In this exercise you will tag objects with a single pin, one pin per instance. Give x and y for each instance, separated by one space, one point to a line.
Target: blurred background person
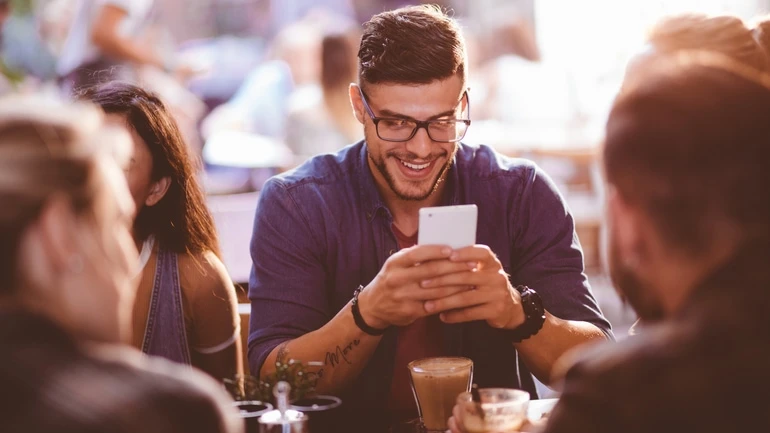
104 43
186 308
324 121
283 13
66 294
24 49
261 103
724 34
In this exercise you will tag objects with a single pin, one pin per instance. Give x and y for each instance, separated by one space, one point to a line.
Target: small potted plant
302 378
245 391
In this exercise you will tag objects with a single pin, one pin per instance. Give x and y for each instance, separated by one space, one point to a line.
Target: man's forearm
340 345
541 351
118 47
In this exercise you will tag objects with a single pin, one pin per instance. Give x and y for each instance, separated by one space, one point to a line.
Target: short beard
380 165
632 289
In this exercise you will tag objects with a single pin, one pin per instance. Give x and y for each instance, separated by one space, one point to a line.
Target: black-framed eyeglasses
399 129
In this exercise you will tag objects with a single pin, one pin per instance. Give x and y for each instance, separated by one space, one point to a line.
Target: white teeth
415 166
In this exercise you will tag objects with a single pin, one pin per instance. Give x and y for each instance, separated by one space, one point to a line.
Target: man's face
412 170
624 263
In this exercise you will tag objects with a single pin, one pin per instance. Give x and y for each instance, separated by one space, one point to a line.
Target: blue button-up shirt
322 229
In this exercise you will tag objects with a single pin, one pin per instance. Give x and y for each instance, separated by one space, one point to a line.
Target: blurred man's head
686 154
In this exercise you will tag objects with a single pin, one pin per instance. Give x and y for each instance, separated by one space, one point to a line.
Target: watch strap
534 315
359 319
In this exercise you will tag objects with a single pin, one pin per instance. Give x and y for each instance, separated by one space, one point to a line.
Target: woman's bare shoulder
204 274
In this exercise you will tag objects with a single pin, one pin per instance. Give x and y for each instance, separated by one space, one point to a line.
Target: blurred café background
270 79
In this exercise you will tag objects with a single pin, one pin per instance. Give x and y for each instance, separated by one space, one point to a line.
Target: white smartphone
448 225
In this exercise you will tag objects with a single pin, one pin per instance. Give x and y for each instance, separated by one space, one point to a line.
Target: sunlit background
265 97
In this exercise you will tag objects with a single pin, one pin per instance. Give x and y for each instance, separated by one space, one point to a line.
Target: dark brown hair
689 143
411 45
180 221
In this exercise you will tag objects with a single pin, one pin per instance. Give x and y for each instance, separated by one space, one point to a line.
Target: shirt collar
370 195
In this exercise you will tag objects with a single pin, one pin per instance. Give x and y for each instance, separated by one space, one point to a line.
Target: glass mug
500 410
436 383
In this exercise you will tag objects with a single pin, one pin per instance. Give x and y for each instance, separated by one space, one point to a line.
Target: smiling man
337 277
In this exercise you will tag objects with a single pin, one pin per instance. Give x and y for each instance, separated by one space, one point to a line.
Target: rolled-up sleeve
547 255
286 287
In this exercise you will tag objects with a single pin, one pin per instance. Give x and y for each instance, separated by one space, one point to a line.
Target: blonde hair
761 31
725 34
46 148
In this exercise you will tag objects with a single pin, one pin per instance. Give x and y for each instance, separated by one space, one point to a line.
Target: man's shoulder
655 348
484 162
325 169
663 357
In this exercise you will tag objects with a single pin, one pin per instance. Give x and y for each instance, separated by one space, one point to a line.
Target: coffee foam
441 366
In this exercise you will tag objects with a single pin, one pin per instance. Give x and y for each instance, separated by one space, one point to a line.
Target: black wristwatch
360 322
534 315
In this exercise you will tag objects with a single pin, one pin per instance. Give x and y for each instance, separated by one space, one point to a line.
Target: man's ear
356 102
626 225
158 191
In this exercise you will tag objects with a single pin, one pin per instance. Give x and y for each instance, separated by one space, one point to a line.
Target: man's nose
421 144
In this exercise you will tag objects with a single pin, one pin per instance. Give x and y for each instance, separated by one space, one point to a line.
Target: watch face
533 305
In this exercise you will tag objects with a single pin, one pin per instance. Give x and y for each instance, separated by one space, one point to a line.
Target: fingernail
471 265
454 256
442 316
425 283
429 306
446 251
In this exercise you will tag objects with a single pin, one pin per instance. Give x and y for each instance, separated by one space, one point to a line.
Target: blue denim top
166 334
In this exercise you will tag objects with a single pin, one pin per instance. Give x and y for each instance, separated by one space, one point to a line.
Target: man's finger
454 426
470 314
434 269
421 294
464 299
420 253
474 253
465 278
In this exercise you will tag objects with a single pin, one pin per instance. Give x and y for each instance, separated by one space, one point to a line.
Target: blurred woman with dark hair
186 307
66 292
327 123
